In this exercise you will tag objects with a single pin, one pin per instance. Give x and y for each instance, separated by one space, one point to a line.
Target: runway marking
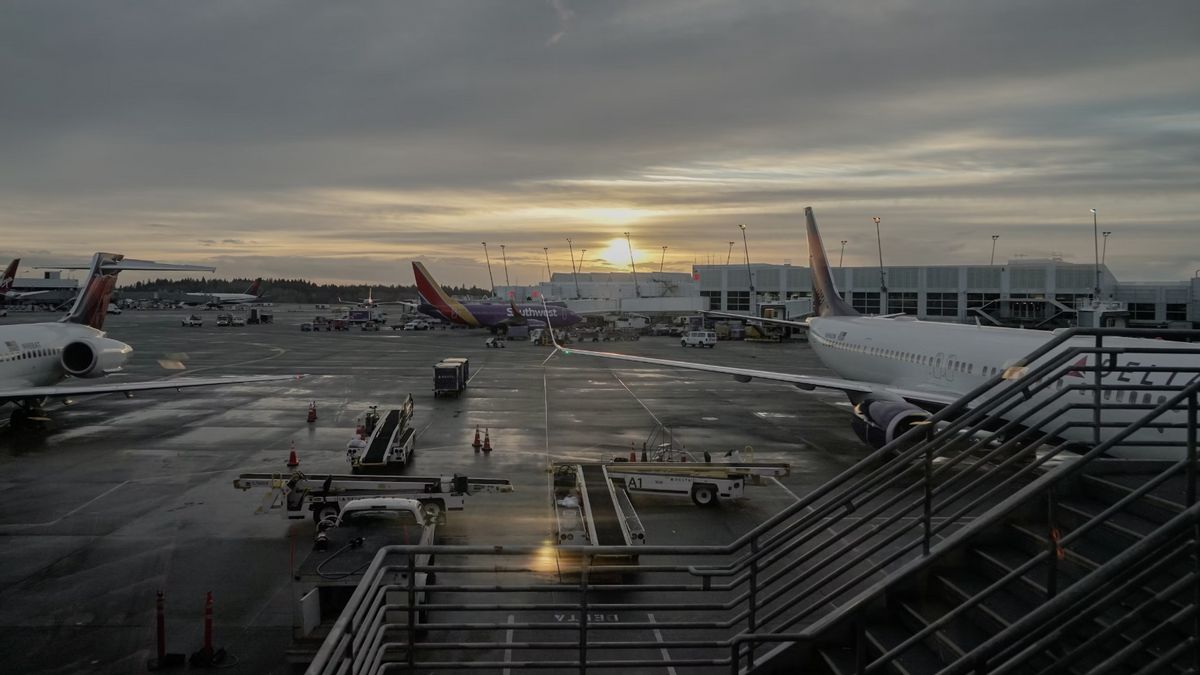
665 654
71 512
635 397
508 638
279 351
477 371
784 487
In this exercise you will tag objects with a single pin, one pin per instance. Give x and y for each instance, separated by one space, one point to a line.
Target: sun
616 253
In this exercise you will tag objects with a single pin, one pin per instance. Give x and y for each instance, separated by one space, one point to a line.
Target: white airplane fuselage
956 358
35 354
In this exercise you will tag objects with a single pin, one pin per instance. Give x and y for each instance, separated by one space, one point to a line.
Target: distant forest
291 290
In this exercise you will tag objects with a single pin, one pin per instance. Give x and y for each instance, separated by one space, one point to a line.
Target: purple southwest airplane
437 303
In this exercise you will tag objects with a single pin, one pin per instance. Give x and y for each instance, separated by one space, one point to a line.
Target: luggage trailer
324 494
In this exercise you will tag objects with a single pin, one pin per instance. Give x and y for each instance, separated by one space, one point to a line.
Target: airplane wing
757 319
61 390
806 382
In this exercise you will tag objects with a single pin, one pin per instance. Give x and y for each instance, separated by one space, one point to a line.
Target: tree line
291 290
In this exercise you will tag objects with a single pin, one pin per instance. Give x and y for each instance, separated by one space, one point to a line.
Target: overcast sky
340 140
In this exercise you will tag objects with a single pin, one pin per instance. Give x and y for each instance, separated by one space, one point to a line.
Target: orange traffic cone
632 453
312 412
477 444
293 460
487 440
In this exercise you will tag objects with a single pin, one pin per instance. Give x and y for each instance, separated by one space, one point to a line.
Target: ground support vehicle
193 320
325 495
449 377
494 343
238 321
224 320
592 505
699 338
259 316
326 578
389 444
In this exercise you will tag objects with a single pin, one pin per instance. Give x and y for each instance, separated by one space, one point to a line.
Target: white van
699 338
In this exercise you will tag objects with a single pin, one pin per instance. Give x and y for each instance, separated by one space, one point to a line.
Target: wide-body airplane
896 369
7 294
370 302
252 294
42 361
436 302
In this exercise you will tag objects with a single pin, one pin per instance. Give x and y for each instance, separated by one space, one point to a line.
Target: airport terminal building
1044 293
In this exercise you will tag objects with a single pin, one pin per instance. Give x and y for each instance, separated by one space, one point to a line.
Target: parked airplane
7 294
437 303
896 369
36 357
252 294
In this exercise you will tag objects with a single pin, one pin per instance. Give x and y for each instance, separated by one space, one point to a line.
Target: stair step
995 613
1150 507
1127 526
953 640
837 660
916 660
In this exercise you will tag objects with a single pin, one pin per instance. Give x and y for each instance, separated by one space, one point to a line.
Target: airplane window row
32 354
921 359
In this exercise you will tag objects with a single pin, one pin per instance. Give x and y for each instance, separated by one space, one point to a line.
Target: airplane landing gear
28 415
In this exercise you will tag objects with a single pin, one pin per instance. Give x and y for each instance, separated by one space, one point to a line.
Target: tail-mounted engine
94 357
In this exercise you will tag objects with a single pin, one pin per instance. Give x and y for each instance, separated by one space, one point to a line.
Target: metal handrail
752 557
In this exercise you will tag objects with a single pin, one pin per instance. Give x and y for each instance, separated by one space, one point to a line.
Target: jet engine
94 357
879 421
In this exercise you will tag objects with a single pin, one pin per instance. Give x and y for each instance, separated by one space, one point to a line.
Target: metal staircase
980 542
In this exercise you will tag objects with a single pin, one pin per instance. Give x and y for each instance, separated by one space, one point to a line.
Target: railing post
1053 535
1097 381
928 490
752 617
860 644
412 612
583 614
1191 500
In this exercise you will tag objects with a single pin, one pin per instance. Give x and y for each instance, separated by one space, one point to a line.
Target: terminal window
981 299
1176 311
865 302
1141 311
902 303
941 304
714 299
739 301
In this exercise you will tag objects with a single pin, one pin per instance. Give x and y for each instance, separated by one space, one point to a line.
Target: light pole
489 264
1096 243
882 281
633 265
575 273
546 250
994 238
582 255
842 255
730 253
504 256
663 260
1104 247
749 274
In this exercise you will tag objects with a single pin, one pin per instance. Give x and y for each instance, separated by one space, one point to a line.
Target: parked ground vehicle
417 324
494 343
306 327
192 320
224 320
238 321
699 338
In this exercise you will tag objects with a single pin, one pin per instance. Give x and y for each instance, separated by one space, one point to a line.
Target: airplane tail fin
254 287
826 299
6 283
91 304
427 288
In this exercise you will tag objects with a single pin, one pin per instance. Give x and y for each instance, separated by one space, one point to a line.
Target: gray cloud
378 131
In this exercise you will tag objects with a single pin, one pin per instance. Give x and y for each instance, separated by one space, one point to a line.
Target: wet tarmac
121 498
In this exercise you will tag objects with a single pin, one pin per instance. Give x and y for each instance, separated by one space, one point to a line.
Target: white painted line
474 374
508 638
71 512
783 487
665 654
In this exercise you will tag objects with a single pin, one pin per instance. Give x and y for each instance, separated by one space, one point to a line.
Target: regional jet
252 294
36 358
436 302
896 369
7 294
